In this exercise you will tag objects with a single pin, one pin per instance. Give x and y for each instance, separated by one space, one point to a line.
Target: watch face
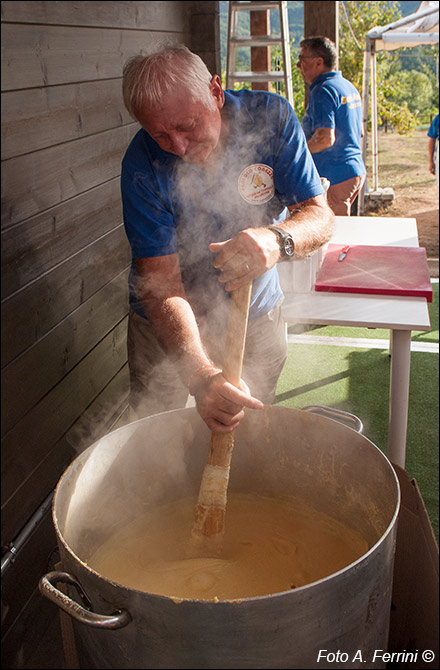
289 246
285 241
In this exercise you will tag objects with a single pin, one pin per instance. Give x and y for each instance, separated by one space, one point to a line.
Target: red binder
375 270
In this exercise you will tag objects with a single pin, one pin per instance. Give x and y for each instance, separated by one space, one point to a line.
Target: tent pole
365 96
365 107
374 117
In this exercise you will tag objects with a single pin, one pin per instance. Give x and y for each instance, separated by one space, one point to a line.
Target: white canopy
411 31
419 28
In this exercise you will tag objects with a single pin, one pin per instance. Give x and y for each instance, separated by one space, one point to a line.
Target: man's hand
253 251
219 403
246 256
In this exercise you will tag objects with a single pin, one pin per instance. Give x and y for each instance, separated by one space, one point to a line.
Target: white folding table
399 314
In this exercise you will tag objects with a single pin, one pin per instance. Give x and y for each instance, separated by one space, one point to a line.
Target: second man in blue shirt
332 123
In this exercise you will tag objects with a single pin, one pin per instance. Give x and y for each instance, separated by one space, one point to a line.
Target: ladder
235 41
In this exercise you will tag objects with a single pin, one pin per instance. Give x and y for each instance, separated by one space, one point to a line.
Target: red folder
375 270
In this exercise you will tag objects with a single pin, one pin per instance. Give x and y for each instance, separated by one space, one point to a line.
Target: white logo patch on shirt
255 184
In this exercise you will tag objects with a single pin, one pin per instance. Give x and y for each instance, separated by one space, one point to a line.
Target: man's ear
217 92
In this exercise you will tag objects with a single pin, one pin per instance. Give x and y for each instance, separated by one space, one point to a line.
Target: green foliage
298 86
422 58
397 116
403 96
413 87
362 16
297 80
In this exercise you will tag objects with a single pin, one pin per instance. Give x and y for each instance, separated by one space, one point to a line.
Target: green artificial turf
357 380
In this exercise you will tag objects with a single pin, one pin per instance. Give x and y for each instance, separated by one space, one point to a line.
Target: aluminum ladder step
257 41
235 41
259 77
253 6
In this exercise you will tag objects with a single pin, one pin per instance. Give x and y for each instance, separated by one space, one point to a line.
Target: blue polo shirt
433 128
335 103
170 206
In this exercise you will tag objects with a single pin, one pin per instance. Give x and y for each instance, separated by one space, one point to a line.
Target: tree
402 96
355 20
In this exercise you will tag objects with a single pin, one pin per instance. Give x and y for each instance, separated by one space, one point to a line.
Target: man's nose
179 144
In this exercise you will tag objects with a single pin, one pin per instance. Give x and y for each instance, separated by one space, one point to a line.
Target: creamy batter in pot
270 545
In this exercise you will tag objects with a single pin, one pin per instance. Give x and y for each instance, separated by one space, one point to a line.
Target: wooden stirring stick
209 515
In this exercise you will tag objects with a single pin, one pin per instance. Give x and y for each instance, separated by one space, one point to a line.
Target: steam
125 474
96 422
215 211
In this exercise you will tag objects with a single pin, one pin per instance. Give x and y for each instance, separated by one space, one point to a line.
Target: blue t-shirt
335 103
433 128
171 206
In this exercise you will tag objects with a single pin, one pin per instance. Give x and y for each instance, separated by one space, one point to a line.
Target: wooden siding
65 262
65 256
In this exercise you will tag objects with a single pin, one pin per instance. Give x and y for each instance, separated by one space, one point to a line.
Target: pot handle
118 619
338 415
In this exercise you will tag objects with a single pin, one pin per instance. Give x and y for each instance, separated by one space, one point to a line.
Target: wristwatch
285 240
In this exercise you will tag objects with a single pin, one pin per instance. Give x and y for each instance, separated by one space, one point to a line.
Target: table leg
399 395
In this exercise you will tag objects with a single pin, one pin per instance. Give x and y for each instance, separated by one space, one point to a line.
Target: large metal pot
277 451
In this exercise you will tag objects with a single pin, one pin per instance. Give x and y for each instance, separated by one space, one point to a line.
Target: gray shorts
155 385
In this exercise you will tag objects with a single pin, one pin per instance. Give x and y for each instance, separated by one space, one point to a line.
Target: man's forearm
177 331
431 152
160 289
311 226
322 138
219 403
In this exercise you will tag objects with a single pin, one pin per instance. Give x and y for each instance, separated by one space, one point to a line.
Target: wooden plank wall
64 253
65 264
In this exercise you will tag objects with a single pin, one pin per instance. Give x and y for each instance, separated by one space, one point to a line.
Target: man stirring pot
203 183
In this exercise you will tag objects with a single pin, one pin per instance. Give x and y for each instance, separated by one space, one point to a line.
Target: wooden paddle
209 515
